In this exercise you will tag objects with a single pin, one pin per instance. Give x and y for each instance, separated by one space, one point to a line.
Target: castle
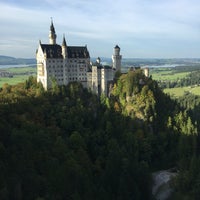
64 64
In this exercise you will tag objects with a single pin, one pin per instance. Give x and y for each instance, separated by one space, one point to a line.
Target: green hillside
8 60
66 143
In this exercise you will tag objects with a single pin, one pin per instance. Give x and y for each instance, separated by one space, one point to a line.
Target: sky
141 28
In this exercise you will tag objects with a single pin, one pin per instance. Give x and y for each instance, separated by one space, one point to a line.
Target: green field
19 70
20 74
163 74
170 74
177 92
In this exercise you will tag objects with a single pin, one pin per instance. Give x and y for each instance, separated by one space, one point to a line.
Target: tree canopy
67 143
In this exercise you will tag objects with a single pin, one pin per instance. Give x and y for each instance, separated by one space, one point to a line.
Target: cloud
146 24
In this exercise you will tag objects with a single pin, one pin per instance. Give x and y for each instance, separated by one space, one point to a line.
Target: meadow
174 74
169 74
180 91
19 74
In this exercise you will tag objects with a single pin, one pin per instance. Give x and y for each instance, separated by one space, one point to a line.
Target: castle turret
98 61
52 34
146 72
64 48
116 58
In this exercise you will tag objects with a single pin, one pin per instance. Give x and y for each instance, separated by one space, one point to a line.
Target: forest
67 143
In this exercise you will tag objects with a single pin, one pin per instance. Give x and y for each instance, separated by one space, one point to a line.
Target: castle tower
52 34
116 58
146 72
64 48
98 61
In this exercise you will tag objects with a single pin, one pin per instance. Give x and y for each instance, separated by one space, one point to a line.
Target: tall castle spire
64 47
52 34
64 41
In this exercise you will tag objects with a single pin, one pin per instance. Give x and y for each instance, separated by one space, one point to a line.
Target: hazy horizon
109 58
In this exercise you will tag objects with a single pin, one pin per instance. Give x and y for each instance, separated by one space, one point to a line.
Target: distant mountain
7 60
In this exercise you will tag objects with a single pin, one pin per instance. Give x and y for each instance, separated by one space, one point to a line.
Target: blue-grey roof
77 52
55 51
52 50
